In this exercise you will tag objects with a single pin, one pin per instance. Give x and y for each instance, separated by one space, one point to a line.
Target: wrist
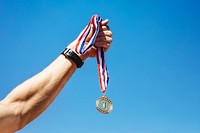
71 54
73 57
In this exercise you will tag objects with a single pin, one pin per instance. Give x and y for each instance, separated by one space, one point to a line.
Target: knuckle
110 40
110 33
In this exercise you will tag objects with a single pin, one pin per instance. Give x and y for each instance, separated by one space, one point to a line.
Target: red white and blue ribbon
81 48
102 69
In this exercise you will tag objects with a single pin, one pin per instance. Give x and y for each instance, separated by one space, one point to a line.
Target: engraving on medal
104 105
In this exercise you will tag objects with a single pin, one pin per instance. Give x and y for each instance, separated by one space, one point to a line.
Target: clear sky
153 63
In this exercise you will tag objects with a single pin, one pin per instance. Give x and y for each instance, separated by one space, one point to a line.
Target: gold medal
104 105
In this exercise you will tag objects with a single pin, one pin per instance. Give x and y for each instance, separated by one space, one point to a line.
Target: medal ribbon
94 24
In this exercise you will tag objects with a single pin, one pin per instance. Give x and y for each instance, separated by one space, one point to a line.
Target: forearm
32 97
35 95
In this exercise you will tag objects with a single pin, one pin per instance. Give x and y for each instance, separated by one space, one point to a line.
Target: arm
28 100
32 97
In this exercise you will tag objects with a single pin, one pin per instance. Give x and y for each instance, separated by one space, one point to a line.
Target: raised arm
32 97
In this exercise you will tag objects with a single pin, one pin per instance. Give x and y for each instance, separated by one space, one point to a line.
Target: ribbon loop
93 25
81 48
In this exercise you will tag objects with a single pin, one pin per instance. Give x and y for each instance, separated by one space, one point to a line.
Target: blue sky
153 63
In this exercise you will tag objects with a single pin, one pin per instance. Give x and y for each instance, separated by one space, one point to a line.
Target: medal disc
104 105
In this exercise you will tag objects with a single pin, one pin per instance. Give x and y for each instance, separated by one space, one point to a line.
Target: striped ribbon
81 48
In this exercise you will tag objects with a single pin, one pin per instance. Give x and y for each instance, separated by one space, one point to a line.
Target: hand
104 39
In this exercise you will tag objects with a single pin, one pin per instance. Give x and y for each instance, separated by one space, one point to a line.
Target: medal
103 104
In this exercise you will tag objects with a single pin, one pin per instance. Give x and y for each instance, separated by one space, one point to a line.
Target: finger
105 33
102 28
104 39
104 45
105 22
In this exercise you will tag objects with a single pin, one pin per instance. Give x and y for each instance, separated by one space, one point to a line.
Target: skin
29 99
